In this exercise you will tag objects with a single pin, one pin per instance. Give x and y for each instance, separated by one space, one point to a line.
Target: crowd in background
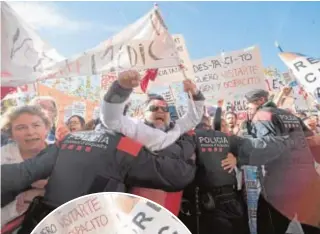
27 130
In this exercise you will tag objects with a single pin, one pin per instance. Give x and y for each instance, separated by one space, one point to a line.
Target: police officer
288 179
189 210
221 207
97 161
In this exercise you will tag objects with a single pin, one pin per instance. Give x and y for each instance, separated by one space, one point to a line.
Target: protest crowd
239 155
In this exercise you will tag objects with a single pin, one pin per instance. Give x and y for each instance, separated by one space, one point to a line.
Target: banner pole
278 46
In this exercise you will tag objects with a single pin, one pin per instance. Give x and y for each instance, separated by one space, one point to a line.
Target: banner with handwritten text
144 44
111 213
229 76
173 74
24 55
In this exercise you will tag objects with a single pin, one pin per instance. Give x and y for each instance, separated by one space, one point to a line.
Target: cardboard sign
229 76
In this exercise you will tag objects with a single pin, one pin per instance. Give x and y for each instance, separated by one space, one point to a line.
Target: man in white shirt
156 131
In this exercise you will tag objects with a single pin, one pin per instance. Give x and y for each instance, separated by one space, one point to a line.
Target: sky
208 27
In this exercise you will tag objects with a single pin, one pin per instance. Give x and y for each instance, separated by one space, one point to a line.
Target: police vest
90 155
292 172
286 123
212 148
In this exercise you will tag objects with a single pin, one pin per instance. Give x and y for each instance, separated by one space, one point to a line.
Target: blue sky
208 27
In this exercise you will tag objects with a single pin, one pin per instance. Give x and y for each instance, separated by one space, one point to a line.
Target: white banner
230 76
23 53
306 70
169 75
143 44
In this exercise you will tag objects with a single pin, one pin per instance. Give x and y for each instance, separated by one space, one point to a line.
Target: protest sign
288 78
303 103
110 213
169 75
136 104
143 44
230 76
306 70
69 104
273 79
24 55
79 108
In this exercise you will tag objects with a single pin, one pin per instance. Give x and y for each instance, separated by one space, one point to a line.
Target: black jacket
214 146
96 161
290 173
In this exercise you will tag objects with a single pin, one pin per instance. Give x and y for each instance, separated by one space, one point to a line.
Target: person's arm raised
112 115
114 102
195 108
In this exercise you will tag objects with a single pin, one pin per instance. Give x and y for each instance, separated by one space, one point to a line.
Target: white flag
24 55
307 71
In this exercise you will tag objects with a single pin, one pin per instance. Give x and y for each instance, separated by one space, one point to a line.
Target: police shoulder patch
129 146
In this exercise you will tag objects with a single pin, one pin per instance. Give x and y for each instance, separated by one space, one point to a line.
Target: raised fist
129 79
189 86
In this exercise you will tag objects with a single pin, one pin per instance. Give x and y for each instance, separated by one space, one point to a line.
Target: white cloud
47 15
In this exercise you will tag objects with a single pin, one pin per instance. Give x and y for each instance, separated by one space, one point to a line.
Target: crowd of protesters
28 130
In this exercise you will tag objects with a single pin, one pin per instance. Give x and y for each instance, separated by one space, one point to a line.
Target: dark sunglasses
156 108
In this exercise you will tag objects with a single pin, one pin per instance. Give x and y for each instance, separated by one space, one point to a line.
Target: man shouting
156 131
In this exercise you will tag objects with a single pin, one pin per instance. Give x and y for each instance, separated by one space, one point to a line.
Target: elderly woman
28 128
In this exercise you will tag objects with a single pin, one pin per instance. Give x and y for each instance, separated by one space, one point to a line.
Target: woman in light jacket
28 128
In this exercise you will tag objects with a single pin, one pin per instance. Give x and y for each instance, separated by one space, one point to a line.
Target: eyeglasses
156 108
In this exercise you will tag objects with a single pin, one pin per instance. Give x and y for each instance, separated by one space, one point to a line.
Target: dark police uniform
97 161
288 179
221 207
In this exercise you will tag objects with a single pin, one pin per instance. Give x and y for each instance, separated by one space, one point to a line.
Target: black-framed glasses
156 108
